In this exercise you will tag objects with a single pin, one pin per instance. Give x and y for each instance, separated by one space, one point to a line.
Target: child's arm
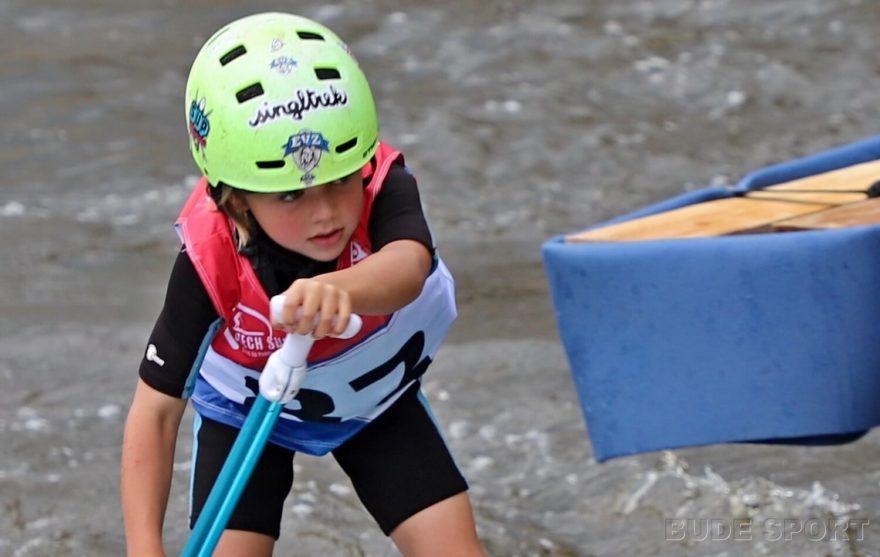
147 460
382 283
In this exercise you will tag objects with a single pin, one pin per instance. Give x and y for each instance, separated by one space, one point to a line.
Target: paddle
279 383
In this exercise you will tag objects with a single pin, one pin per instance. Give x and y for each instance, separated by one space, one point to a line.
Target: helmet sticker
277 44
283 65
306 148
199 124
306 100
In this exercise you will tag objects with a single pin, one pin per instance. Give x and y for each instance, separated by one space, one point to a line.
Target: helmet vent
309 36
240 50
327 73
347 146
368 149
249 93
270 164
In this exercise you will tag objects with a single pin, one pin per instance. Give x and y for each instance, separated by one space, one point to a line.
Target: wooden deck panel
757 211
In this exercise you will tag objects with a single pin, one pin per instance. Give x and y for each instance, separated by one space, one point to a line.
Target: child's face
316 222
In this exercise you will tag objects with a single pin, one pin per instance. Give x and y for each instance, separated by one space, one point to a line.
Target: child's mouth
327 239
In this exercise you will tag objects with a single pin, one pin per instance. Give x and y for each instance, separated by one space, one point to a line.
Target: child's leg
255 523
445 529
407 479
236 543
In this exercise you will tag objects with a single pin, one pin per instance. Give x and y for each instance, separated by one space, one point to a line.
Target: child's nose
321 205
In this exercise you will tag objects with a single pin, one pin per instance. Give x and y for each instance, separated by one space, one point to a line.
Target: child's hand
316 307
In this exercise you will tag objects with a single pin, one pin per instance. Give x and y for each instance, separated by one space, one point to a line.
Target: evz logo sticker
306 148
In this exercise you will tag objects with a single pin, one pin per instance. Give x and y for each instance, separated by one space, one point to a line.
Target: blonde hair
231 203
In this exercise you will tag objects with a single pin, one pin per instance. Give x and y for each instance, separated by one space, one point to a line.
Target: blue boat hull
676 343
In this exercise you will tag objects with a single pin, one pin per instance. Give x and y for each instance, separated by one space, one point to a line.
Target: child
298 197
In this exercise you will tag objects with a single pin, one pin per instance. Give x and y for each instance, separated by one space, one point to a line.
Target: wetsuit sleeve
397 212
179 331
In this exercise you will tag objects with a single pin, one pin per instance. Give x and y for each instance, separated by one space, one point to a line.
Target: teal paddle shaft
233 478
279 382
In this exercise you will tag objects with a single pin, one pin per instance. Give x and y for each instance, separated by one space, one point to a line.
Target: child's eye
344 180
290 195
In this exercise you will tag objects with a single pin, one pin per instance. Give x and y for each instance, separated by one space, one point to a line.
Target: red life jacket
349 382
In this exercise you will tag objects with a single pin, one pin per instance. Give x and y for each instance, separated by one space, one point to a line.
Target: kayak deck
827 200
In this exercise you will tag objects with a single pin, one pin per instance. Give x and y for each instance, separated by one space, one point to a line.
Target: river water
522 120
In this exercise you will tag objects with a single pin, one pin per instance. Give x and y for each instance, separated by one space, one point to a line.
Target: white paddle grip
285 370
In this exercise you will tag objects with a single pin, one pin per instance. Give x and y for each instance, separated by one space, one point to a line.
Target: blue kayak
742 338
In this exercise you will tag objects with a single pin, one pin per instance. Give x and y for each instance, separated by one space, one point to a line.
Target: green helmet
276 102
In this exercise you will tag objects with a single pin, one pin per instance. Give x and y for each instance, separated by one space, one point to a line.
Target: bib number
348 395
